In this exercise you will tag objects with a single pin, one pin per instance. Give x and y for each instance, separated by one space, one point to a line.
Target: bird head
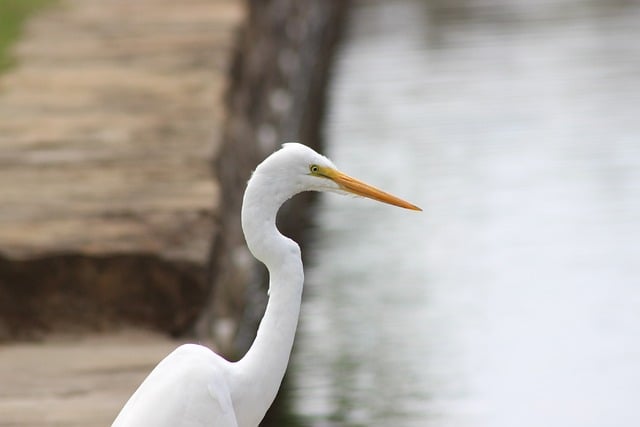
304 169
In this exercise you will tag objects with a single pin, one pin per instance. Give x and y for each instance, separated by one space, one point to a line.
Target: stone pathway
107 129
71 382
108 126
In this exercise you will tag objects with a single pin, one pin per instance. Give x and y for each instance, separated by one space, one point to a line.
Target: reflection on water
514 299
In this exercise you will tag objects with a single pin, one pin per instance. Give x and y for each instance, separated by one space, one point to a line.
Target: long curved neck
264 365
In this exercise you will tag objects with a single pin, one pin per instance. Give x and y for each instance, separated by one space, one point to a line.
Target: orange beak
360 188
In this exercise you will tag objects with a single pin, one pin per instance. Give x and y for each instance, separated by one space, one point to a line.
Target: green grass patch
13 14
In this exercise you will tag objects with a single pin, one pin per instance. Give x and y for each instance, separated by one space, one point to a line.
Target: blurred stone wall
279 75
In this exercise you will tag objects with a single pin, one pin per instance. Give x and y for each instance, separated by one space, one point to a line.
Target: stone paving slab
108 126
75 381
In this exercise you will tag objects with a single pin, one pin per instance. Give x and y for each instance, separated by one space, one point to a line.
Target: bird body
195 387
188 388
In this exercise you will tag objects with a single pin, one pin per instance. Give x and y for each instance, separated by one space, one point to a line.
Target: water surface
514 298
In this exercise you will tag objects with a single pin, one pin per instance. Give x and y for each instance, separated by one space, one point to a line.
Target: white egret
195 387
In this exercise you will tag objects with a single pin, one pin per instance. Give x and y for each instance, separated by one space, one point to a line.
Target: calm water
514 299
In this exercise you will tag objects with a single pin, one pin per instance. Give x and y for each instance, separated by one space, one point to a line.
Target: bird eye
314 168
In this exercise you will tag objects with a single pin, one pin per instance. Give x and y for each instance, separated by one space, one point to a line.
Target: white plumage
195 387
